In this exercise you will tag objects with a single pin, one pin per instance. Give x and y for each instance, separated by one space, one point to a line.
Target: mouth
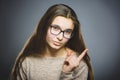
57 43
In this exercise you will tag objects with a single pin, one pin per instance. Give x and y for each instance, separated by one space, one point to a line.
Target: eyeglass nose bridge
61 32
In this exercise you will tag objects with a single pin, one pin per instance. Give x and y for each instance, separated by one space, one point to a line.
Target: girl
56 50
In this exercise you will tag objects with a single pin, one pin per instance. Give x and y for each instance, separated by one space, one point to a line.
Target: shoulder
82 68
83 64
28 60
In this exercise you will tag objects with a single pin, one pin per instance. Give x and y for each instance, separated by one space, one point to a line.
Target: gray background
100 21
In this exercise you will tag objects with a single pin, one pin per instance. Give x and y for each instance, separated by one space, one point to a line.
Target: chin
56 47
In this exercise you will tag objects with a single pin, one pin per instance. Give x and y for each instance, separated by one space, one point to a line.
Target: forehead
63 22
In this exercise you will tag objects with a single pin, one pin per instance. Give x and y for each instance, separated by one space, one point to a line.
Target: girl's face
59 32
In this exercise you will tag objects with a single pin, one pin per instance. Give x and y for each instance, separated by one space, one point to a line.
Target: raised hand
72 61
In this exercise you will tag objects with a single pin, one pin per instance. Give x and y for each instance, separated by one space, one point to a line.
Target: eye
68 31
56 28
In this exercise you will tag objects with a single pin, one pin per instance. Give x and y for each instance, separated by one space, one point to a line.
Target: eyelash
57 27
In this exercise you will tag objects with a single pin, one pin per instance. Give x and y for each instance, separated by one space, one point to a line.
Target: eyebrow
60 27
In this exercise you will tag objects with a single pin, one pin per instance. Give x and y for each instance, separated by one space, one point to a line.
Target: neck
50 52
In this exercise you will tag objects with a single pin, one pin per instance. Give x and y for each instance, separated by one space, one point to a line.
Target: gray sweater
36 68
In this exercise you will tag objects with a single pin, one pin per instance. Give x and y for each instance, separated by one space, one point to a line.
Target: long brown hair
37 42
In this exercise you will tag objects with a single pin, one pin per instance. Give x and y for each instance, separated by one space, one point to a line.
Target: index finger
82 54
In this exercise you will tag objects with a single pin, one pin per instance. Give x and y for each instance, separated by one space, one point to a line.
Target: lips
57 43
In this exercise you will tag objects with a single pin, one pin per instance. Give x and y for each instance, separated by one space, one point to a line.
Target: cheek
66 40
49 37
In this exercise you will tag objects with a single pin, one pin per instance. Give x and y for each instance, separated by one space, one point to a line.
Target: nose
60 36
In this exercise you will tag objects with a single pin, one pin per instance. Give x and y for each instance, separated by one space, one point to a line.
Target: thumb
69 52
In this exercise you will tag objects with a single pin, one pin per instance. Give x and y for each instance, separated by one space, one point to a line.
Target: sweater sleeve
22 75
80 73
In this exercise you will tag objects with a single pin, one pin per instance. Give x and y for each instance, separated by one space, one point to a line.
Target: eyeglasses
56 30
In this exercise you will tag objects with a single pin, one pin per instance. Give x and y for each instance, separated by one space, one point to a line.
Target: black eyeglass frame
51 26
